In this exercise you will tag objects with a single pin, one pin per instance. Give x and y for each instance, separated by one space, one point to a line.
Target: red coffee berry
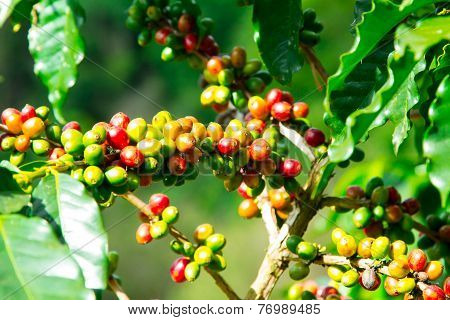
177 165
446 286
177 269
256 125
287 96
374 230
417 260
273 96
314 137
433 292
290 168
72 125
324 292
355 192
190 42
228 146
260 150
186 23
56 153
214 65
411 206
300 110
120 120
117 137
158 202
281 111
143 235
28 112
8 112
394 196
161 35
369 280
131 157
209 46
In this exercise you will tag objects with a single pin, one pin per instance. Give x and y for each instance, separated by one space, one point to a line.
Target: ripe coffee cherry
364 247
143 235
306 251
444 233
202 232
398 268
238 57
433 292
314 137
434 270
161 35
216 242
355 192
248 209
185 142
273 96
350 278
131 157
186 23
116 176
190 42
298 270
337 234
55 153
209 46
394 196
279 199
258 107
406 285
394 214
27 112
177 165
256 125
93 176
159 229
374 229
214 65
380 247
281 111
158 202
22 143
300 110
117 138
8 112
290 168
243 191
411 206
260 150
14 123
178 268
446 286
72 125
172 130
120 120
361 217
346 246
370 280
287 96
228 146
94 155
417 260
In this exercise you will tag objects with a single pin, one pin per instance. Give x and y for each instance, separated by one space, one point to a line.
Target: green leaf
6 8
64 200
31 166
11 202
436 143
8 183
398 95
276 27
57 48
34 264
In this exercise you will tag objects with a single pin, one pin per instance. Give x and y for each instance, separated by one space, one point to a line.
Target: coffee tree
59 177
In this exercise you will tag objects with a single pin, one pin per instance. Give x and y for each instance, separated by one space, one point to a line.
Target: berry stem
117 289
297 140
223 285
430 234
358 263
314 62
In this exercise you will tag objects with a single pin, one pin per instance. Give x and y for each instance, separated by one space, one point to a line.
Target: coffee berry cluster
409 274
310 290
177 26
310 32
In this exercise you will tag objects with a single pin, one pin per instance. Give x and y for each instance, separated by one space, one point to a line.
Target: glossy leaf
6 8
34 264
8 183
57 48
33 165
276 27
436 144
11 202
64 200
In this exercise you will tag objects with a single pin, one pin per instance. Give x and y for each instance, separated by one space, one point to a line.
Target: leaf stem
117 289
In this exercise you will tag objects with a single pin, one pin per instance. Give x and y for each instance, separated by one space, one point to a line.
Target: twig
429 233
315 63
117 289
143 207
268 215
358 263
297 140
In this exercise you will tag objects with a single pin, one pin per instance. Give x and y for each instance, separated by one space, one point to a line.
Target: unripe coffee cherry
380 247
131 157
364 247
202 232
161 35
238 57
228 146
215 131
372 184
306 251
256 125
33 127
361 217
192 271
406 285
398 268
337 234
369 280
398 248
177 269
143 235
292 243
27 112
380 196
295 291
248 209
260 150
300 110
433 292
417 260
314 137
291 168
346 246
379 213
390 286
40 147
185 142
170 214
394 214
281 111
158 202
94 155
434 270
350 278
186 23
116 176
216 242
149 147
137 129
258 107
298 270
117 138
411 206
56 153
159 229
22 143
203 255
336 272
93 176
279 199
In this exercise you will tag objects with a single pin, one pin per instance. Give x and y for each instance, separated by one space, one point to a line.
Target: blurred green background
118 75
